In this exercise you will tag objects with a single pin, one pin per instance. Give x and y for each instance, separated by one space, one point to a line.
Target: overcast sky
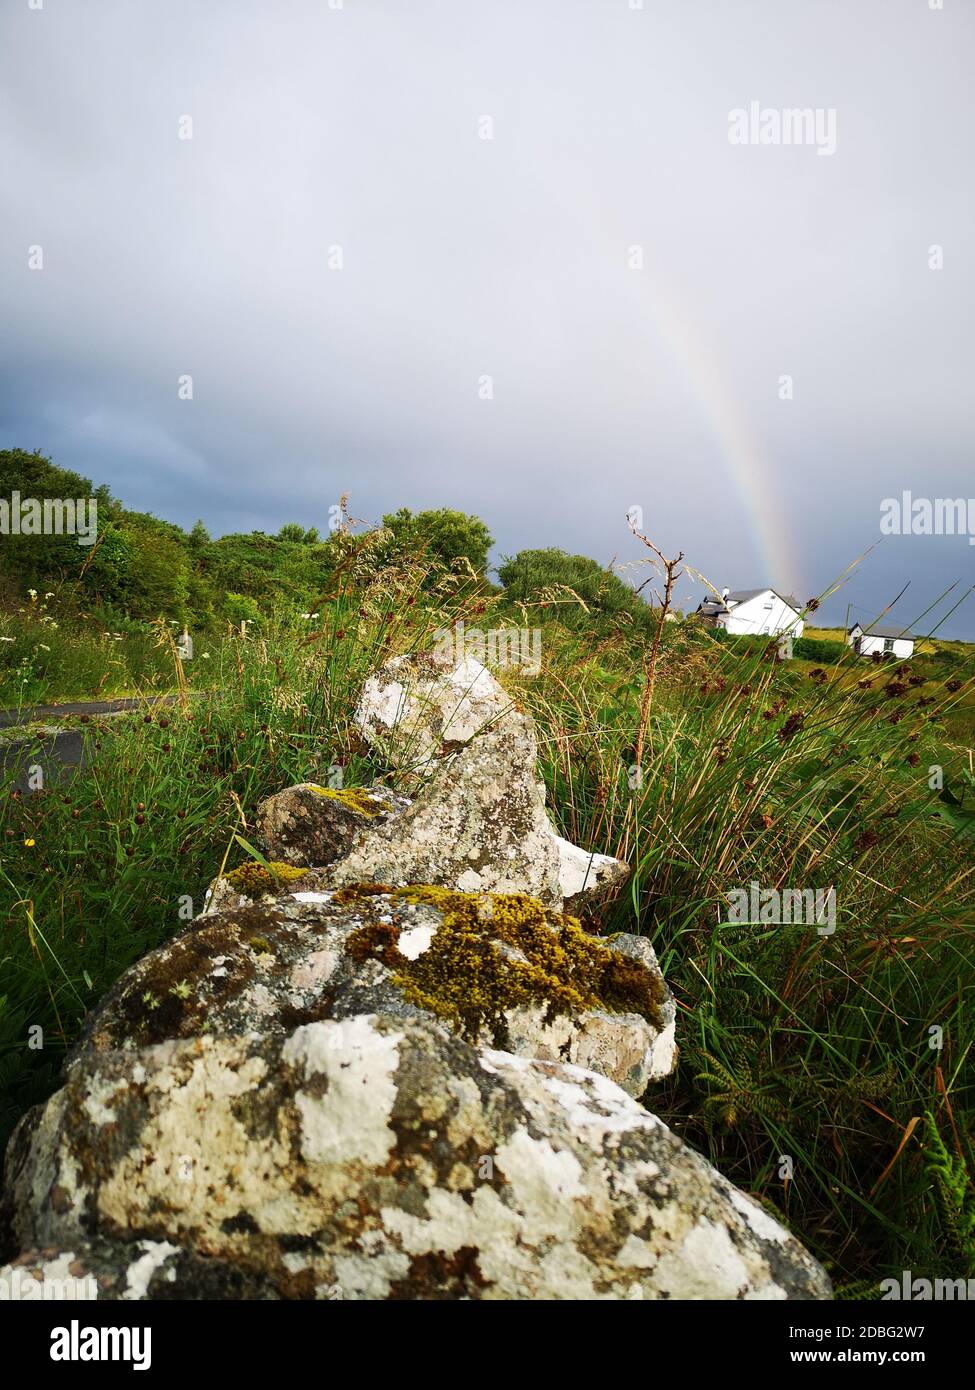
512 258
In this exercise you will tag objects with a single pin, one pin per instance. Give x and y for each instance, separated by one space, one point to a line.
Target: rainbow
746 462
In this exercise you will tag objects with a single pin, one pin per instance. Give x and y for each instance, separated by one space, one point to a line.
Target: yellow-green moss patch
253 879
354 799
495 951
356 892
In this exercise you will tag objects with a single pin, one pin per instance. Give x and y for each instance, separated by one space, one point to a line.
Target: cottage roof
743 595
885 632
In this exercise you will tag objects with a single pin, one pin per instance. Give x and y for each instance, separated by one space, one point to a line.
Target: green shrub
240 608
820 649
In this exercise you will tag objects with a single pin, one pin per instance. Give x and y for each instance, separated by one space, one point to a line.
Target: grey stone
313 825
381 1158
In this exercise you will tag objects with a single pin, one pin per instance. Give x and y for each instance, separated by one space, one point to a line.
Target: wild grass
806 1067
49 653
805 1059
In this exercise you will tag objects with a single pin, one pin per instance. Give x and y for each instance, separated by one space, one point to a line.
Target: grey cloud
359 127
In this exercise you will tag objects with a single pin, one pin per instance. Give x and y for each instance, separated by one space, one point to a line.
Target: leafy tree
267 568
534 576
199 538
160 570
108 575
30 558
447 537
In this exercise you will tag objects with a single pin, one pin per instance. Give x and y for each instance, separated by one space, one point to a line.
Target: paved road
56 755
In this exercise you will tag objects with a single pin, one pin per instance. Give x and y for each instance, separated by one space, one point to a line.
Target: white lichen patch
543 1179
413 942
349 1122
99 1101
706 1264
371 1274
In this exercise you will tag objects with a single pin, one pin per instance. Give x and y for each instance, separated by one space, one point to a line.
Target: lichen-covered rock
499 969
382 1158
314 825
479 825
479 822
420 708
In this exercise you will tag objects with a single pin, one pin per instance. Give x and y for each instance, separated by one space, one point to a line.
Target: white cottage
880 641
754 613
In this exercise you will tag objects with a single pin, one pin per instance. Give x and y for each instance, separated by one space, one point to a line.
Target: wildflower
205 656
32 595
30 843
43 648
791 727
50 595
866 841
8 639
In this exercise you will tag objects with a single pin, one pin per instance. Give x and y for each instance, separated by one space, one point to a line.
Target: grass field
831 1076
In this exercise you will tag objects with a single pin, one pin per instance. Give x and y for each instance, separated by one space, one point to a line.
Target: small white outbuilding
881 641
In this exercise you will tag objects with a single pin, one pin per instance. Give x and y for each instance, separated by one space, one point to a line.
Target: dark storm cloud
359 128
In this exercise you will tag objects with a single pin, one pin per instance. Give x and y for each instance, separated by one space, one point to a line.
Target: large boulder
377 1157
501 970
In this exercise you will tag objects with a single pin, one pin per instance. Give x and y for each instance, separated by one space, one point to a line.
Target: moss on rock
357 799
254 880
493 952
